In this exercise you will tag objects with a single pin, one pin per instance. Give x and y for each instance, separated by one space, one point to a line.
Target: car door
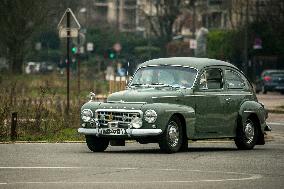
237 91
209 103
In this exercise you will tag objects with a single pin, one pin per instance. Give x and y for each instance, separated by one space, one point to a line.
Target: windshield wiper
138 85
175 86
168 85
161 84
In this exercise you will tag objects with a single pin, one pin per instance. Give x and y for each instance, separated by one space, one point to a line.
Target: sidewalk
275 118
273 102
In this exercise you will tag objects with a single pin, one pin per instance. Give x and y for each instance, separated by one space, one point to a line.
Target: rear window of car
235 80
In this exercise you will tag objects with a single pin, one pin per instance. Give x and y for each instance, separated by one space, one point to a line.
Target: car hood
143 95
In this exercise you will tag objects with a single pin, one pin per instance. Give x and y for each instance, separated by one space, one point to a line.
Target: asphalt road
206 164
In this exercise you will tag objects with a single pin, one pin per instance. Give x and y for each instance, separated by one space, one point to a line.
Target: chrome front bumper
130 132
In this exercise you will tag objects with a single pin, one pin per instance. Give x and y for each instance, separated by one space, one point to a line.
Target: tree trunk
16 58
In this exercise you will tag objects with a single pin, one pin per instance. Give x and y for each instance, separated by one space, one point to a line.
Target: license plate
113 131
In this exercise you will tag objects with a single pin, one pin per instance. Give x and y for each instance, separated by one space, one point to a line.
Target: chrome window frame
208 68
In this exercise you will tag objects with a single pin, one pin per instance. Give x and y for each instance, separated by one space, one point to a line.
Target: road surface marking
43 167
248 176
275 123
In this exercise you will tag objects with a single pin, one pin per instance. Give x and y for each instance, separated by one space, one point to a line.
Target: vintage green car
172 100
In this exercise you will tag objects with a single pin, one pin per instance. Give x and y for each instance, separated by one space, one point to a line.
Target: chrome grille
122 116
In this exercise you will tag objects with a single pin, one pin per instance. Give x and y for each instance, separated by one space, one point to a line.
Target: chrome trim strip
250 94
154 97
180 111
193 95
168 96
249 111
120 110
130 132
176 65
123 102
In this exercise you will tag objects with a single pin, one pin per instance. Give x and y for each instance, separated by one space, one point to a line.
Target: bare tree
17 23
269 11
162 18
19 19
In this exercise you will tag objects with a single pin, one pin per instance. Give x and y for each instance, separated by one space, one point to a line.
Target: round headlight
150 116
86 115
136 122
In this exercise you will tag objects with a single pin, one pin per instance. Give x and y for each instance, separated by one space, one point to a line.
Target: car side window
234 80
211 79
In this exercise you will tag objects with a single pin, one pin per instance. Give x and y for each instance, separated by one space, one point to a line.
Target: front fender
92 105
165 111
252 107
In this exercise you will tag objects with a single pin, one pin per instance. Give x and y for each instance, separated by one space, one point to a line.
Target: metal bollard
14 126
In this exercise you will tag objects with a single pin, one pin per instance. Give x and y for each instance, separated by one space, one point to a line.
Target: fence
45 114
117 83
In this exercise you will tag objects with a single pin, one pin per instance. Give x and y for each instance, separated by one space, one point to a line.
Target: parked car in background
39 67
171 100
270 80
32 67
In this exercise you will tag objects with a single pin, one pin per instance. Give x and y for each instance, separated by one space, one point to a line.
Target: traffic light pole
78 68
68 61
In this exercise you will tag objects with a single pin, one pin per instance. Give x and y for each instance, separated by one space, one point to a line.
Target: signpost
68 29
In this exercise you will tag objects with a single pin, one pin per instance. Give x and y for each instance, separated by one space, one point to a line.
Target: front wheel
263 90
171 140
96 144
246 136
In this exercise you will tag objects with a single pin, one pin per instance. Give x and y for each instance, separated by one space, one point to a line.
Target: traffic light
111 54
74 50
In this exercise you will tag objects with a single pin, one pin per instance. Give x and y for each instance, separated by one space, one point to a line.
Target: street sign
257 43
192 44
82 50
65 32
90 46
70 30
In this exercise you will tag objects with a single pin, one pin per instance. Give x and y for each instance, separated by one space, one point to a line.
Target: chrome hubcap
249 131
173 133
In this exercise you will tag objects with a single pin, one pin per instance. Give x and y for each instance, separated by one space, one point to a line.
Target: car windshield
174 76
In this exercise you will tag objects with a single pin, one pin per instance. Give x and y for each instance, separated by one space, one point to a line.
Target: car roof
197 63
272 71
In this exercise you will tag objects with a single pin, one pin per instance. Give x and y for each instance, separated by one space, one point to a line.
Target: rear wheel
247 134
96 144
172 139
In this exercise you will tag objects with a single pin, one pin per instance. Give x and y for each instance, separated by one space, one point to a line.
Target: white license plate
113 131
